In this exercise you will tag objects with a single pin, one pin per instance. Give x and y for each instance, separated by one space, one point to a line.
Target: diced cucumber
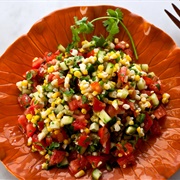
109 167
63 66
61 48
66 120
140 118
123 93
145 67
64 163
141 84
109 68
154 99
59 108
94 127
130 130
90 68
82 150
104 116
96 174
101 56
151 74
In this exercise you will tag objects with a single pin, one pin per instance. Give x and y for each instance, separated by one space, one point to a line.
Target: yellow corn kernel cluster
101 67
35 118
55 95
77 74
50 69
165 98
84 111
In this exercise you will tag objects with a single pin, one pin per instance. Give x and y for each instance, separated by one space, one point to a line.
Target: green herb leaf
84 99
54 145
29 75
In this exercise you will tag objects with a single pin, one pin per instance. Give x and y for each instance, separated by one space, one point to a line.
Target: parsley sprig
111 22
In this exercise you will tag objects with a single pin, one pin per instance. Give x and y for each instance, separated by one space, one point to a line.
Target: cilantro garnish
111 22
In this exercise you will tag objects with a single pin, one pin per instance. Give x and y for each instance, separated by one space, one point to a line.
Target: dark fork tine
173 18
176 9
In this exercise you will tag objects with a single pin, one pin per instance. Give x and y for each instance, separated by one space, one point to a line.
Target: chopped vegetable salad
90 107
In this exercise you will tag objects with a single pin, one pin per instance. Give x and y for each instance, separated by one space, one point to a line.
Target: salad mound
90 105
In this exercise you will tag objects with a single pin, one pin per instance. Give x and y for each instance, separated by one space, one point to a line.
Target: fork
173 18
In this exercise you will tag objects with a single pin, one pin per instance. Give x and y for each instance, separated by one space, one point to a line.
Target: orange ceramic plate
158 159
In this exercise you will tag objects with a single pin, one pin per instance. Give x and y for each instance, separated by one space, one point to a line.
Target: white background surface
17 17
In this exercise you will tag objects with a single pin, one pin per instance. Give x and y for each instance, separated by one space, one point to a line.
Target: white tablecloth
17 16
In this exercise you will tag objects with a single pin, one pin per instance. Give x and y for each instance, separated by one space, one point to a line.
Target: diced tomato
126 160
148 121
122 74
148 80
112 111
160 112
90 53
59 135
49 56
40 125
104 135
96 87
83 105
22 120
84 140
129 52
98 161
49 140
120 45
98 105
128 148
30 110
155 128
37 63
30 129
73 104
79 123
81 163
39 145
156 87
24 100
57 157
72 155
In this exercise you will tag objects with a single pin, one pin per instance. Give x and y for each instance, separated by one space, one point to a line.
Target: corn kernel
50 69
116 40
85 72
69 76
53 104
84 111
55 95
24 83
166 95
58 101
137 78
100 67
128 58
35 119
47 156
165 101
29 116
77 74
56 132
86 130
94 93
66 141
49 129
